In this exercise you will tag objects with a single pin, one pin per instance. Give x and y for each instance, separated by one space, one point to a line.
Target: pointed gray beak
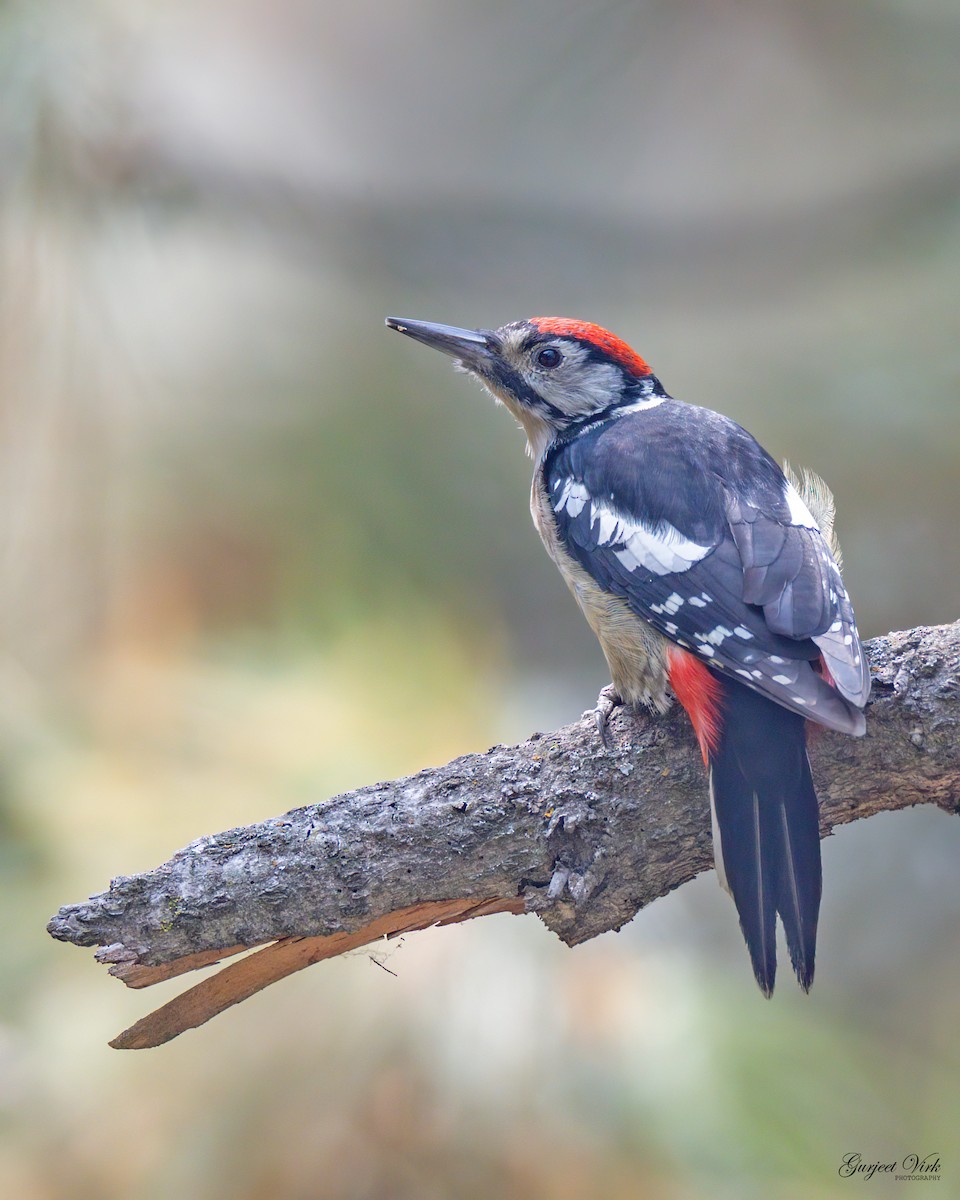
474 348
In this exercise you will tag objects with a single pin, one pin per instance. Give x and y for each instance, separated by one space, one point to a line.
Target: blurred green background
254 549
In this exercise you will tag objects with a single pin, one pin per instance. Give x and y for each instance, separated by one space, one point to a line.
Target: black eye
548 357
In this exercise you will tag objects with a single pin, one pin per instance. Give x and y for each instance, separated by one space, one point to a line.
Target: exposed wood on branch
557 825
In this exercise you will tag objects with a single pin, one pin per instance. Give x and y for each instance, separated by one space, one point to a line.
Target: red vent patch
593 335
701 694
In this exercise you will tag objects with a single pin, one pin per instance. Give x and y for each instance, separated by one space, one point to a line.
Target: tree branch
557 825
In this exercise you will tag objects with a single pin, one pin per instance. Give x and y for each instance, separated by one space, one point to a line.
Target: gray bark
556 825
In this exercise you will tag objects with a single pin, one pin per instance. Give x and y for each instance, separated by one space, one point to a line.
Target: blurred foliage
253 550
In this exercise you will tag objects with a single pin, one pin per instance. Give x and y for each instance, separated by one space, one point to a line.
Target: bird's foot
608 700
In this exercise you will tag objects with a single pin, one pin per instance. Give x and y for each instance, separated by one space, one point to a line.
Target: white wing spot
743 633
707 651
775 658
798 700
611 529
848 639
670 627
661 550
716 635
573 498
697 602
745 674
782 679
671 605
836 627
661 553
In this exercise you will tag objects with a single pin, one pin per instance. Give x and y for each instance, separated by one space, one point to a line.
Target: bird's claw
608 700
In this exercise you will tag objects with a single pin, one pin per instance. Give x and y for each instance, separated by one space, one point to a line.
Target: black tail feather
767 830
799 899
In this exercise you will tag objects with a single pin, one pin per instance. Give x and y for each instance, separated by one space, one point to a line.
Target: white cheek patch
663 551
799 513
579 387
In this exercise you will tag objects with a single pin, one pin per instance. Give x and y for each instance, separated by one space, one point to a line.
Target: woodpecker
702 571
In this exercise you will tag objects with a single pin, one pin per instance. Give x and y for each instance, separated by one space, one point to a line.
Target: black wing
684 516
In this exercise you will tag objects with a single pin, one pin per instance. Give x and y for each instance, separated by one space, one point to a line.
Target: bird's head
552 373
